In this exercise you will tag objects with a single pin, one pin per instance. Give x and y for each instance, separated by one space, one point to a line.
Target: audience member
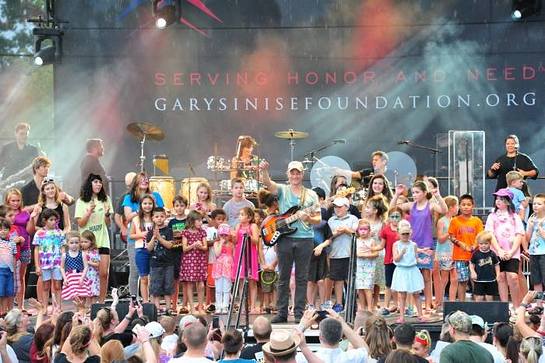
195 339
463 350
403 338
262 329
478 334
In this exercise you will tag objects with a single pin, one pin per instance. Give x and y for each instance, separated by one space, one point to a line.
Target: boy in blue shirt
515 182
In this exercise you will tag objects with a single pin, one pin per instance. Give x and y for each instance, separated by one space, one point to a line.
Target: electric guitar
278 225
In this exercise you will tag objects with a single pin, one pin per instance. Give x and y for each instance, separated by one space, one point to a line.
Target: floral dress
92 272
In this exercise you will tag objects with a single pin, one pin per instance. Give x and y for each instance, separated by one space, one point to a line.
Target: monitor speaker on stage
490 311
122 309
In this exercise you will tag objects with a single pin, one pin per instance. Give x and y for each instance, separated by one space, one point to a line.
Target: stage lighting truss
166 12
47 36
525 8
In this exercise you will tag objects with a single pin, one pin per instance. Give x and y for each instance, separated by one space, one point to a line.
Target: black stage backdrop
371 72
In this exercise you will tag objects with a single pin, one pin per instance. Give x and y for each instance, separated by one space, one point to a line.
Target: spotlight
166 12
47 54
525 8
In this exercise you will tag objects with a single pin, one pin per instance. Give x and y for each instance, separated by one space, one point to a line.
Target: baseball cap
224 229
404 227
504 192
295 165
185 322
155 329
339 202
477 320
460 321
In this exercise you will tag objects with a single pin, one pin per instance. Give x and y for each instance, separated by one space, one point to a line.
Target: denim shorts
462 270
52 274
7 288
142 258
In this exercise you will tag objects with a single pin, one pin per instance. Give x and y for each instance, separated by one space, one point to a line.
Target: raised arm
272 186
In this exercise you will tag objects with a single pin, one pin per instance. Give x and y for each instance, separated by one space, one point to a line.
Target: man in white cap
296 247
342 225
479 331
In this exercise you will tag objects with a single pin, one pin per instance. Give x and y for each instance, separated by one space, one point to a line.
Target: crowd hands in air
407 244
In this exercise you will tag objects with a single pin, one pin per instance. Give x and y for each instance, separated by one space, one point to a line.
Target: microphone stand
434 152
312 154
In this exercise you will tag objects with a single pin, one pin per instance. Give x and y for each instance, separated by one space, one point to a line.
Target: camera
322 314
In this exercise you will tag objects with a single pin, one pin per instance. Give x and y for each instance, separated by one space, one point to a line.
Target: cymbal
141 129
291 134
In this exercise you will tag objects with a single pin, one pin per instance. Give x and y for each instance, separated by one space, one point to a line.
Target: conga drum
165 186
188 188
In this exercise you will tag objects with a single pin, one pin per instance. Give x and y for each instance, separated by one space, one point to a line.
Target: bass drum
165 186
188 188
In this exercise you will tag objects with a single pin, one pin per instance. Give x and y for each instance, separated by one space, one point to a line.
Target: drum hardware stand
351 304
142 156
244 255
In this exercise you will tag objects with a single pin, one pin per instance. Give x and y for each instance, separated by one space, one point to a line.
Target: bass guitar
278 225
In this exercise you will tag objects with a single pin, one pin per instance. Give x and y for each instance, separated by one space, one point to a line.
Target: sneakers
384 312
278 319
410 311
338 308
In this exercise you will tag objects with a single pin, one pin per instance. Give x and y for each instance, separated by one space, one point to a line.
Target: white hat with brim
282 342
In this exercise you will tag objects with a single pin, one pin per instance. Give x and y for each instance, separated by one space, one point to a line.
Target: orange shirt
464 230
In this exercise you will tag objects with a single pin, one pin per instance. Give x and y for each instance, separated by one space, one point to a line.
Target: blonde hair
208 189
485 236
11 192
72 234
80 337
512 176
451 200
90 236
531 349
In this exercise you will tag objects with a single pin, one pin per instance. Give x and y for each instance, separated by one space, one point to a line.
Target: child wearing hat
223 266
508 229
407 278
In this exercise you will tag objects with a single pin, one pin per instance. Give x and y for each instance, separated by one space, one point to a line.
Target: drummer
379 160
244 164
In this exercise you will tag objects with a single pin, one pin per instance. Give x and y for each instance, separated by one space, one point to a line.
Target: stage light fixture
47 46
524 8
166 12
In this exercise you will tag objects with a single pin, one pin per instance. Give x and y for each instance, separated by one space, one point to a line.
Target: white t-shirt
337 355
190 360
11 354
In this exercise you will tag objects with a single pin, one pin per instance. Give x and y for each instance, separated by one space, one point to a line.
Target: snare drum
188 188
164 185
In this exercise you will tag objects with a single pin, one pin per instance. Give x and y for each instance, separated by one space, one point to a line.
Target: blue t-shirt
537 242
127 202
286 200
518 198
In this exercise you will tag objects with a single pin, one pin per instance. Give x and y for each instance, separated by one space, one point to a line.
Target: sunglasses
395 216
405 234
48 180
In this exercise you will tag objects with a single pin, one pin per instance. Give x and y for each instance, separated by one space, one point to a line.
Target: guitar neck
296 215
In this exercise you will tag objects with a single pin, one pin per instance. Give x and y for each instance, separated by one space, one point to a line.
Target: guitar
278 225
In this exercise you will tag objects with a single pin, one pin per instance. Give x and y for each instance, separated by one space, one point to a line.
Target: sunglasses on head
47 180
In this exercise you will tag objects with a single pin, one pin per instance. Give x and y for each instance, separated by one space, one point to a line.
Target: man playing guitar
297 247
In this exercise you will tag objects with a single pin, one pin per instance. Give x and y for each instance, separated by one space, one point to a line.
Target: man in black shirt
91 162
17 155
262 333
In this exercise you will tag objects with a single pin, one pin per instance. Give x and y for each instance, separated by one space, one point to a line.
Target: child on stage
535 234
89 247
8 250
177 224
161 260
47 258
443 254
365 265
485 268
194 259
463 230
508 229
407 278
223 267
74 269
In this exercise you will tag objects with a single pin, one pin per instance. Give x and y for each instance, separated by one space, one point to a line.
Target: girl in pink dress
223 267
246 226
194 259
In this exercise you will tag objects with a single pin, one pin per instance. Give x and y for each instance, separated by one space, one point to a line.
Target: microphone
339 141
401 142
